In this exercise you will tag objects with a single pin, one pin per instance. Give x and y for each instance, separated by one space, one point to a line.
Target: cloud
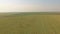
20 8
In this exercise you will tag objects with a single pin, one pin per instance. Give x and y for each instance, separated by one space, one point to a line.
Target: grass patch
30 24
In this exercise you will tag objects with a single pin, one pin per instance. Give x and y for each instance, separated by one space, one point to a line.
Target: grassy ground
30 24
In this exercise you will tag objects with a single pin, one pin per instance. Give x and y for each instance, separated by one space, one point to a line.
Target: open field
30 24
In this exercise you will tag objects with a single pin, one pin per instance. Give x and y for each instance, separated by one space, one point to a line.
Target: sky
29 5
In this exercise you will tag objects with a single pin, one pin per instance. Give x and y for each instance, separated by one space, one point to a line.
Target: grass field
30 24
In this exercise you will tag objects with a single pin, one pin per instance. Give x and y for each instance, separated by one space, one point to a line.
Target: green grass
30 24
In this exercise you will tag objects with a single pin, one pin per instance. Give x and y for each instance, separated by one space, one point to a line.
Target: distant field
30 24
